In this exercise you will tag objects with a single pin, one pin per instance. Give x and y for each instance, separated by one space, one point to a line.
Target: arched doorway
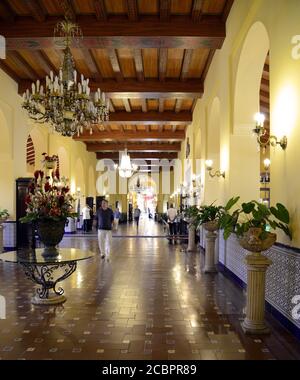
142 192
244 152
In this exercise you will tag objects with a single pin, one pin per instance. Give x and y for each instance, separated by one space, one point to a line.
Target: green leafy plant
254 214
204 214
3 213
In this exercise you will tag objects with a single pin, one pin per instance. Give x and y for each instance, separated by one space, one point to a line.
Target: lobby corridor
151 301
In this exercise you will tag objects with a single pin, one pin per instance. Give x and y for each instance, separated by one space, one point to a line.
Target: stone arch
248 78
244 155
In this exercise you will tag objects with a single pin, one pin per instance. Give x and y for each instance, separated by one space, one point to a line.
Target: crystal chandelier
126 168
65 102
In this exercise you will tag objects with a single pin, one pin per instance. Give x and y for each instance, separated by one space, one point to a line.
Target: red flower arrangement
48 198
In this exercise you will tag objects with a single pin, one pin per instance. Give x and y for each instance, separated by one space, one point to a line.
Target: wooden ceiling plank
68 9
92 64
132 10
26 68
132 136
164 9
163 60
127 105
100 10
188 54
43 61
197 10
138 61
115 64
178 105
139 155
111 106
161 105
150 89
35 9
144 105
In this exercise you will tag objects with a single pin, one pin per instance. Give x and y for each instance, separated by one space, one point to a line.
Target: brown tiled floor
151 301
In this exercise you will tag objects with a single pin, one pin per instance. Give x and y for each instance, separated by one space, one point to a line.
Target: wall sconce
209 168
263 138
267 164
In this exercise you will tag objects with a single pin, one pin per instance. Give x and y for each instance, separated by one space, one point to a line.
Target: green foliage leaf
231 203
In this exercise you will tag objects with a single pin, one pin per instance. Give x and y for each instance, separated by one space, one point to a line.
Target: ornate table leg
43 275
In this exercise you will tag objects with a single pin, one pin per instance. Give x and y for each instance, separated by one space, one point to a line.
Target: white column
192 233
210 266
257 265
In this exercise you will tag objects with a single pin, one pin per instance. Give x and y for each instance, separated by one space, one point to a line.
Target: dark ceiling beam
164 9
112 147
92 64
197 10
139 155
138 61
132 136
188 54
42 60
100 10
114 60
151 117
23 65
67 8
6 12
163 60
132 10
151 89
178 33
35 9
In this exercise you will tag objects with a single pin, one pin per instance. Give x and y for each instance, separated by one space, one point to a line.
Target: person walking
136 215
86 216
117 216
104 218
172 215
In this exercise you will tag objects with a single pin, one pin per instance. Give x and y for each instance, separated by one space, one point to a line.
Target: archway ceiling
149 57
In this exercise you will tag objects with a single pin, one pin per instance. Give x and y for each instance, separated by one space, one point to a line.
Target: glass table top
35 256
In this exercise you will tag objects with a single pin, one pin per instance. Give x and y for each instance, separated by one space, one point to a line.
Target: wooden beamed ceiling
151 59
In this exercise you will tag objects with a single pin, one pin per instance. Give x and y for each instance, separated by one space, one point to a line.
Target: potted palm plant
252 225
208 217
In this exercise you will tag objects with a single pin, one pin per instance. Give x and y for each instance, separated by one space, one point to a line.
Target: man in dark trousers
105 218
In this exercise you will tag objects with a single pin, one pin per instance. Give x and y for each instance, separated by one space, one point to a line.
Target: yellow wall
253 28
77 164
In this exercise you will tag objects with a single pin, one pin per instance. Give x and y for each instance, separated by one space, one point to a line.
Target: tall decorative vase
51 233
257 265
210 243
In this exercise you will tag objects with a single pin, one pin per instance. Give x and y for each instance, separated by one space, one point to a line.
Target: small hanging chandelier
64 102
126 168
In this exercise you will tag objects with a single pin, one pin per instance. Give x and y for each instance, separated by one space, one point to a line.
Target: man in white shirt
172 214
86 216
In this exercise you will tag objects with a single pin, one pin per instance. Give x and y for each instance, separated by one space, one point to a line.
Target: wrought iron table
47 272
